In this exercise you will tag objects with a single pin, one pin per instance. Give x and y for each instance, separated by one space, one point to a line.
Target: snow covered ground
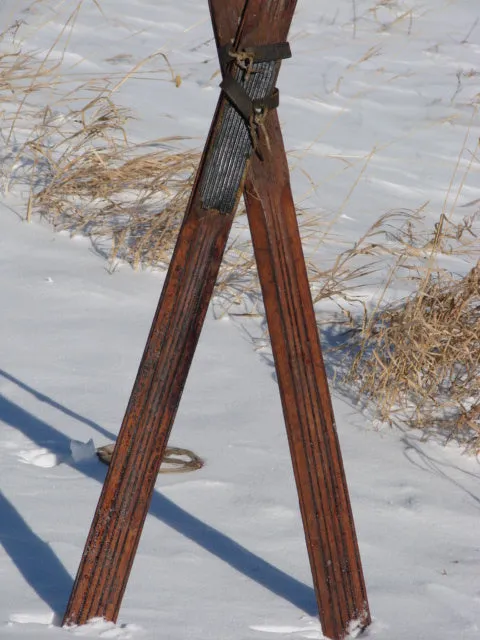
380 107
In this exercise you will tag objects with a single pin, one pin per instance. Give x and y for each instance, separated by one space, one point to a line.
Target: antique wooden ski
245 126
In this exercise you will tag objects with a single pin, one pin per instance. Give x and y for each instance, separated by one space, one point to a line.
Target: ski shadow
417 455
52 582
34 558
338 351
41 397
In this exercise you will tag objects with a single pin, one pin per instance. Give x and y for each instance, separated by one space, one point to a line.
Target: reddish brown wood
123 505
317 461
324 501
114 535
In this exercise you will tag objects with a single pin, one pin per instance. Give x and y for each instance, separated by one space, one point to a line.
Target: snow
382 108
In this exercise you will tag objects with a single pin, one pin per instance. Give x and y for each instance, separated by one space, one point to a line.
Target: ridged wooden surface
317 461
123 505
128 488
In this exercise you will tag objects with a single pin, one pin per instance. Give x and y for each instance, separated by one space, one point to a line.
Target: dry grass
344 280
418 360
83 173
96 183
87 178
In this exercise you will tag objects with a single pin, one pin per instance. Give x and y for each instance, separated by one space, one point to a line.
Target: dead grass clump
418 361
343 281
81 171
89 179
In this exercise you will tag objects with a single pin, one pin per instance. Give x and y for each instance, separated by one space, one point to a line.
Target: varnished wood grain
317 461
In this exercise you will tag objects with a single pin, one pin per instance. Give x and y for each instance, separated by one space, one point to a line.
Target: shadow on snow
44 572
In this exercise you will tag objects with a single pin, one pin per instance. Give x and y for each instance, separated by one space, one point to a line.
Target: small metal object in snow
245 151
175 459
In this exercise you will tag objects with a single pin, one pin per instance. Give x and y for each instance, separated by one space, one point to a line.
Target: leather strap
243 103
259 53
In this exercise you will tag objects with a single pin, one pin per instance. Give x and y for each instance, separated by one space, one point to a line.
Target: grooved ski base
232 146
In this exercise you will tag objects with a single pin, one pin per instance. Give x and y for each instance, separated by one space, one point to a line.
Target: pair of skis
244 152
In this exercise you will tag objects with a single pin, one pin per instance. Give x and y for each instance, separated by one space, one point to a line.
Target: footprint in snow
47 619
39 458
